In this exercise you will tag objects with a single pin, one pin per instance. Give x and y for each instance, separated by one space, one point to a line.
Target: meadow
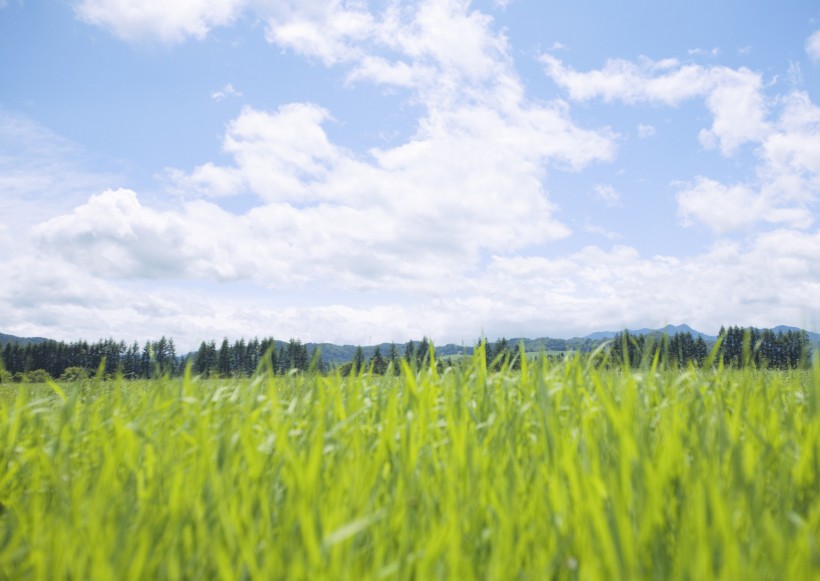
559 470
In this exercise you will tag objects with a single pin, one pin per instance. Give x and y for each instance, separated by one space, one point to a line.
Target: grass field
561 471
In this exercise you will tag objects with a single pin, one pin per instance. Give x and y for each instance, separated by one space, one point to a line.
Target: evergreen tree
701 351
393 359
423 352
224 359
410 353
145 361
377 363
358 361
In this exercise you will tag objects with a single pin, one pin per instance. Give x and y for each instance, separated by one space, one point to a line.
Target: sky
358 172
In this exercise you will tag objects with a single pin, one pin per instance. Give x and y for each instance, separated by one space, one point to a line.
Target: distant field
557 471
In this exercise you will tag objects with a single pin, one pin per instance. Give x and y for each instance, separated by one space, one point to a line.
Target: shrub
37 376
74 374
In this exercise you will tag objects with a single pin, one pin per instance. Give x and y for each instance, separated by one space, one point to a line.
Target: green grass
560 471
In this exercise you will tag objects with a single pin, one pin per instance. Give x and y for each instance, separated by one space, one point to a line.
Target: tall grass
558 471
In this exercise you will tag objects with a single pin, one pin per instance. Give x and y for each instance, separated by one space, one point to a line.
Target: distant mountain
813 337
21 340
337 354
670 330
667 330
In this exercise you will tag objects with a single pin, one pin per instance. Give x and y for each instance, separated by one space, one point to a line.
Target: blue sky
373 171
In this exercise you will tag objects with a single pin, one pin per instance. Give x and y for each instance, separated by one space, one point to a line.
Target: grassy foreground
560 471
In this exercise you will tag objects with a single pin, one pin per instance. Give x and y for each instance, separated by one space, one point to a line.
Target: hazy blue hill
813 337
667 330
22 340
337 354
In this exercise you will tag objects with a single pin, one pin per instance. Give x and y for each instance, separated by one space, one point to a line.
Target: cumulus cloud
433 235
813 46
733 96
158 19
41 174
786 184
562 295
791 153
329 31
114 235
787 147
469 181
718 285
725 208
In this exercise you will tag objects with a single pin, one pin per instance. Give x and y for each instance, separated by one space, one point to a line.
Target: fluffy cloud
769 279
786 185
787 147
158 19
470 181
725 208
733 96
791 153
435 235
41 174
114 235
813 46
328 31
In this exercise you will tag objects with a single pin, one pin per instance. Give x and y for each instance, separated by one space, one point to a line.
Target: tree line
23 362
76 359
736 347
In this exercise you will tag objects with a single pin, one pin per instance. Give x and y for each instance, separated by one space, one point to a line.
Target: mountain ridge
4 338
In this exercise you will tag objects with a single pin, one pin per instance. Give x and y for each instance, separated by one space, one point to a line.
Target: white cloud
601 231
608 195
327 31
470 179
207 180
159 19
724 208
407 230
41 173
791 153
410 218
402 217
645 130
787 177
813 46
733 96
771 279
114 235
704 52
786 184
225 92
